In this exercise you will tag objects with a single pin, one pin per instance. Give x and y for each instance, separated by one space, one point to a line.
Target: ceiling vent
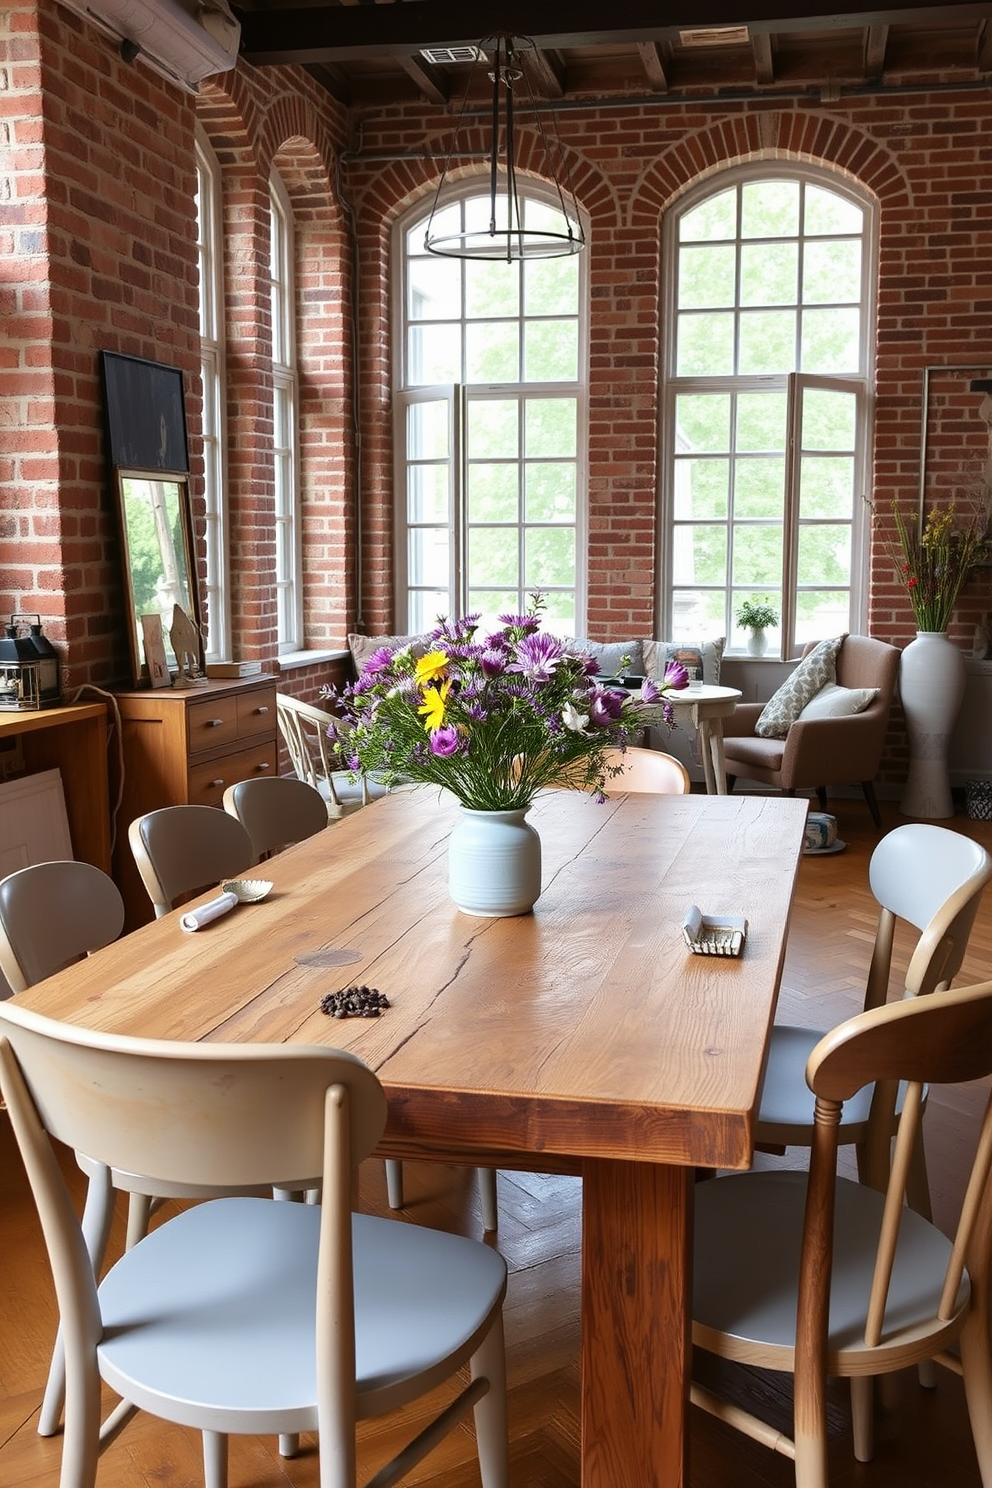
183 40
442 56
715 36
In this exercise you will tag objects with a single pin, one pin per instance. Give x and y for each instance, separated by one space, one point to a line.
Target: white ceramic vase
757 643
931 686
494 863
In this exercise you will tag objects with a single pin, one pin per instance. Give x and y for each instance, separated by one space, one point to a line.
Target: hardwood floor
923 1438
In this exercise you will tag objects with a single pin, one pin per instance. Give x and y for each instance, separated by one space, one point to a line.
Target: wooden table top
585 1029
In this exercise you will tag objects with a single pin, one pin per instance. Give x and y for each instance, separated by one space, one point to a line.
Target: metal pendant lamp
551 230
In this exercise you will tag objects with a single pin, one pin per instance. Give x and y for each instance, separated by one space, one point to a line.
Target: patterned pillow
812 673
610 655
833 701
705 656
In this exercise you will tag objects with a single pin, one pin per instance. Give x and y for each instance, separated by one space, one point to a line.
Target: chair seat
785 1114
203 1319
348 791
752 749
748 1230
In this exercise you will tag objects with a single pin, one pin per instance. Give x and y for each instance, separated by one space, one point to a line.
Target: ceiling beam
341 33
876 41
764 66
547 69
653 61
432 81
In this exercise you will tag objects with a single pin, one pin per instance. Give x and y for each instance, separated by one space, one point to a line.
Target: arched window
285 419
210 239
765 439
491 419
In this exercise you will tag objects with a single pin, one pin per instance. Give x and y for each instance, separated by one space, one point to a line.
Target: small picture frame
155 658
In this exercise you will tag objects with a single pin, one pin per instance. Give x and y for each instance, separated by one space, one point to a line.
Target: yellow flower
430 667
433 704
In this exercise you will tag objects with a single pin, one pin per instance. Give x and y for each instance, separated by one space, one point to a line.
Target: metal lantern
29 667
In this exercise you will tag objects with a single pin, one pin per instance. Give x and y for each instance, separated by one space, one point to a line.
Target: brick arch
768 135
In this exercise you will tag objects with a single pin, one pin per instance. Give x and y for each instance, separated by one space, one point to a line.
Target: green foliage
756 614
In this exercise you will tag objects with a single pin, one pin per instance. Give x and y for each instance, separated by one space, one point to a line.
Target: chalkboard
146 413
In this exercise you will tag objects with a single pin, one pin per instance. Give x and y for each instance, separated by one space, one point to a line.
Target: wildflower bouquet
493 720
935 563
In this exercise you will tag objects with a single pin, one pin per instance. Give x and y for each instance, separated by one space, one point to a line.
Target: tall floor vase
931 685
494 863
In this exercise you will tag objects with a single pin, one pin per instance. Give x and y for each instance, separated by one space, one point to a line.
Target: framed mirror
158 560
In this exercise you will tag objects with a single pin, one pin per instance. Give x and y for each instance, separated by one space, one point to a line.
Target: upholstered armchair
821 751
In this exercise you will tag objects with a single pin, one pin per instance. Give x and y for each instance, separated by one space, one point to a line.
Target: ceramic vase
757 643
931 685
494 863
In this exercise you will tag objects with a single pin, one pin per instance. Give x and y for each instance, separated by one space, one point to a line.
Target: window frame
213 381
793 383
287 525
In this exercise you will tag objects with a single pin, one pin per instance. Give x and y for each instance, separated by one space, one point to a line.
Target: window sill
290 661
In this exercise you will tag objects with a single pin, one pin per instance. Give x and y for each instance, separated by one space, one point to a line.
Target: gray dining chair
276 810
182 850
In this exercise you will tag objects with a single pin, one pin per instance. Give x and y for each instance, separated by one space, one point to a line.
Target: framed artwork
156 532
146 414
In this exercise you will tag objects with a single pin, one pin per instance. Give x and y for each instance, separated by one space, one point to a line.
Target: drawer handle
260 769
261 712
214 722
216 785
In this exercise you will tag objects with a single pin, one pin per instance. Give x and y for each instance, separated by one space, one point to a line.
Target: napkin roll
195 919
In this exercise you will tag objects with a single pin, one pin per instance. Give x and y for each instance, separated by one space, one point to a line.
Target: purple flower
493 662
528 623
605 705
675 676
445 741
536 657
378 661
649 691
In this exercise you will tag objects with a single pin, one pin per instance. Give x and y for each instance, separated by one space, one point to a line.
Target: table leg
635 1324
711 748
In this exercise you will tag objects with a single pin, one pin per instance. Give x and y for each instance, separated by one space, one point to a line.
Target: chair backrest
276 810
181 850
933 879
922 1041
52 914
646 770
311 748
863 661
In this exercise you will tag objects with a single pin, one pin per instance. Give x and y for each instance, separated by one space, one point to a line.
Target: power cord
90 687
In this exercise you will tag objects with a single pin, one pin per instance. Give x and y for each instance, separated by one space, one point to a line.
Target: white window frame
285 421
459 396
794 384
210 253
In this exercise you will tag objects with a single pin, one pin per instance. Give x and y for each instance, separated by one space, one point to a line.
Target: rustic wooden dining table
582 1035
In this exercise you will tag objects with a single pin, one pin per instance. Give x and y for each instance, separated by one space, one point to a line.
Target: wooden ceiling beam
764 64
547 69
653 61
876 40
432 81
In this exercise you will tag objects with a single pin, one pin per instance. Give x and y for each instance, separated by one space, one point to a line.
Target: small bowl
247 890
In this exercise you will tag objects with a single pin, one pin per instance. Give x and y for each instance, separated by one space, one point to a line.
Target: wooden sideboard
72 740
186 746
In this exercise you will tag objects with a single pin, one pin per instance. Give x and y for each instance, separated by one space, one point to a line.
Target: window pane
490 289
489 604
831 340
829 420
759 488
699 555
770 274
427 493
492 556
707 277
702 488
768 342
551 351
770 209
713 219
703 421
493 494
761 419
559 612
434 288
832 273
426 607
821 613
549 556
445 222
699 612
492 351
551 286
427 431
826 212
705 345
826 486
825 554
428 557
434 354
757 558
550 493
493 429
550 427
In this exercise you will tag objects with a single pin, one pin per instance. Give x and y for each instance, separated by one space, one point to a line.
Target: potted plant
756 615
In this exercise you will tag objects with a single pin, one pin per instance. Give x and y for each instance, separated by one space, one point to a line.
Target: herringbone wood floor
923 1437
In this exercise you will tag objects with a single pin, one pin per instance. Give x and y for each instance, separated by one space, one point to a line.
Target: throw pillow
610 655
834 701
362 646
785 706
705 656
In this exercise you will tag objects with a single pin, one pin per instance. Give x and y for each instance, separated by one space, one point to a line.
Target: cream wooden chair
182 850
276 810
649 771
818 1275
243 1315
315 758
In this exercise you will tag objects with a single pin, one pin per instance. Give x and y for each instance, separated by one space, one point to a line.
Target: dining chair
826 1276
646 770
181 850
932 879
243 1315
276 810
315 756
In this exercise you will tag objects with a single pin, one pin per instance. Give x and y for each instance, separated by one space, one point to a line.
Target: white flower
573 720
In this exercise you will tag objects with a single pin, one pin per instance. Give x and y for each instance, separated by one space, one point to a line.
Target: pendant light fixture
514 231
